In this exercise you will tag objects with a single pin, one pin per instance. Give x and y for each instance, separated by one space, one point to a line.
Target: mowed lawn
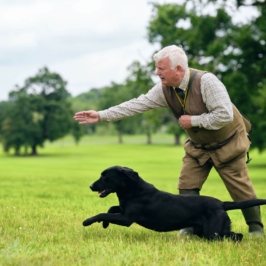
44 199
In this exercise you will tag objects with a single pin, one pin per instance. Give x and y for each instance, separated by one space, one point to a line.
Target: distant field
44 199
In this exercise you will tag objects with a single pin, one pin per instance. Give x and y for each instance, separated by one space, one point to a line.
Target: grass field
44 199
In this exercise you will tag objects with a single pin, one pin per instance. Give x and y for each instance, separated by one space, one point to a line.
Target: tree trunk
120 137
149 137
34 150
17 151
177 140
26 150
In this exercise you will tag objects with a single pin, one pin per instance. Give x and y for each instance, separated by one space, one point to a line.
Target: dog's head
114 179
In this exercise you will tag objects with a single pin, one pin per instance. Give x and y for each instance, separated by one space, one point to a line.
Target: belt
211 146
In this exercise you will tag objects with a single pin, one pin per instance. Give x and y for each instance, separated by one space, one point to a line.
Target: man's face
168 75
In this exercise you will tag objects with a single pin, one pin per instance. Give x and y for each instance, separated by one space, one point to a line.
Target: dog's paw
105 224
236 237
87 222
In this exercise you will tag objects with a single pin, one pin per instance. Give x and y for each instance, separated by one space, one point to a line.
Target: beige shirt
214 95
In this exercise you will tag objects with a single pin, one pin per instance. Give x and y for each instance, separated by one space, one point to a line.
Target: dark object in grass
142 203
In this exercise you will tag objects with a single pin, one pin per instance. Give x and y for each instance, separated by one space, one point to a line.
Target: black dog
142 203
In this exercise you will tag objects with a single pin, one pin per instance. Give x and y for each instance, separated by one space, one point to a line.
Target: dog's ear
134 176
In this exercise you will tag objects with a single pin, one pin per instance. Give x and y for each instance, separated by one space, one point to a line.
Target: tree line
42 109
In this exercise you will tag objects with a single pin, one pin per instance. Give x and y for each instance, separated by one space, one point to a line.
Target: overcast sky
90 43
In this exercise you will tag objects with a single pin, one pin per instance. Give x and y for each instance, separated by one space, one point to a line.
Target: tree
114 95
138 82
40 111
16 129
4 109
85 101
249 75
240 3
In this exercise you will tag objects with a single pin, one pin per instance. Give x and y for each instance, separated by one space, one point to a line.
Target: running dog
142 203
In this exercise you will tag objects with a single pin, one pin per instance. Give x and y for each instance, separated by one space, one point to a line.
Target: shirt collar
185 80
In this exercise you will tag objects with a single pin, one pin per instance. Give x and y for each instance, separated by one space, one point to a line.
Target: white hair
176 55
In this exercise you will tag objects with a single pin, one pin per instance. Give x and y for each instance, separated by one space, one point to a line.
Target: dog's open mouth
104 193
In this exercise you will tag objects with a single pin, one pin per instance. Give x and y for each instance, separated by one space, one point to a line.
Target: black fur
142 203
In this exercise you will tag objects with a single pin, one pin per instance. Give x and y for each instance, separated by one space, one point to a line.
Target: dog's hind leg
236 237
227 233
113 209
198 230
216 225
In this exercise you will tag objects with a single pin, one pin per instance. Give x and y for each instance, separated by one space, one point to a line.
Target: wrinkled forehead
163 64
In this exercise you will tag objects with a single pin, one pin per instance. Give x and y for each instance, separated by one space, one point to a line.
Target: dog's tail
229 205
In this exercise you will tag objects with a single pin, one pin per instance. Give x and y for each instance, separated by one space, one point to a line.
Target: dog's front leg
118 219
113 209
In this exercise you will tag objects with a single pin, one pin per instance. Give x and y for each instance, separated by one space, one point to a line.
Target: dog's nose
91 187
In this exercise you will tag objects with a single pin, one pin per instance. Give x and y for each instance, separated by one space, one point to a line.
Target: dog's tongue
101 192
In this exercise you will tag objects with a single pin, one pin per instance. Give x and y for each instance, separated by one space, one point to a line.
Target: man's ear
134 176
179 69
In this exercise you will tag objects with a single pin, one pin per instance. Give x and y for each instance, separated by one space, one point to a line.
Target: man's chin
164 82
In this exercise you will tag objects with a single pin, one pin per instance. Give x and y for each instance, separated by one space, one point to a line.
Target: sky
89 43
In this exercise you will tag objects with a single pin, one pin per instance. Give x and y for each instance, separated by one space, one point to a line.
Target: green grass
44 199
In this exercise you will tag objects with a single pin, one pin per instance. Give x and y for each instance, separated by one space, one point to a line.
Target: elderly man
216 130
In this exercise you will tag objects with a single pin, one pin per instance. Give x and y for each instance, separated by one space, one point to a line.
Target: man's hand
87 117
185 121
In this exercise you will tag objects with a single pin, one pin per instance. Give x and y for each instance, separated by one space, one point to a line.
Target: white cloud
74 38
97 67
90 43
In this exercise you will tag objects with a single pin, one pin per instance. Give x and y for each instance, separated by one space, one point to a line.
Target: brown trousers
234 174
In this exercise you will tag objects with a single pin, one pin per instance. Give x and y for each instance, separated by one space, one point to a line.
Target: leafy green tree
245 3
139 82
4 109
85 101
15 125
40 111
114 95
243 64
249 75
